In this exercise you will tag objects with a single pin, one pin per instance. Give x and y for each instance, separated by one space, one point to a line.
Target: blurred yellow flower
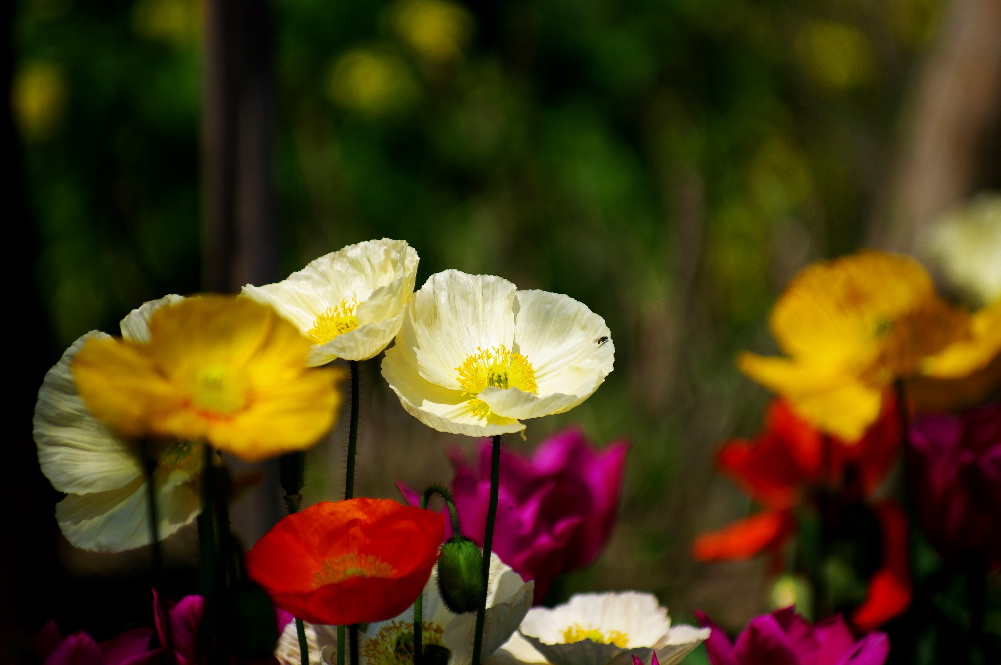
852 326
372 81
223 370
349 302
436 29
475 356
38 99
101 473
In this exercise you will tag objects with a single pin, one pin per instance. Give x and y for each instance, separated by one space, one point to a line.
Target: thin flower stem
419 629
156 551
349 478
488 541
342 645
349 492
353 643
300 631
209 556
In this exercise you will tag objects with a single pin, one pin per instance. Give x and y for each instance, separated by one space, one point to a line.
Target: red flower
792 464
345 562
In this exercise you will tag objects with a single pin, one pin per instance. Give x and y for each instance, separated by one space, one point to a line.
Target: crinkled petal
515 404
568 345
452 316
76 451
440 408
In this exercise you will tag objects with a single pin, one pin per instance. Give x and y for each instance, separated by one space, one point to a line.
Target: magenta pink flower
785 638
139 646
556 509
955 470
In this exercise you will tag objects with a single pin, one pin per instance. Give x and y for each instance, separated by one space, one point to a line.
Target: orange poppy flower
344 562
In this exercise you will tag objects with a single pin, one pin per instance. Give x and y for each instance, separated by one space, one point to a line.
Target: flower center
219 391
343 566
335 321
497 367
394 644
182 455
577 633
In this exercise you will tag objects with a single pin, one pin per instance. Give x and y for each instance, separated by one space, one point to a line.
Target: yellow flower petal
225 370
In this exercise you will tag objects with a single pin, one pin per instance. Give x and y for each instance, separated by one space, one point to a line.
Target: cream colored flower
475 356
966 246
598 629
105 508
391 642
349 302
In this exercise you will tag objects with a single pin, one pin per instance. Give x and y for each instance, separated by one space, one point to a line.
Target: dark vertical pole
240 224
237 134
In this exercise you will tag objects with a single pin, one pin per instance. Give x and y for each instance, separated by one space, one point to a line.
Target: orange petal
744 538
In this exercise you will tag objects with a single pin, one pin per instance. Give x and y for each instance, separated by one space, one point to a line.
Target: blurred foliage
668 162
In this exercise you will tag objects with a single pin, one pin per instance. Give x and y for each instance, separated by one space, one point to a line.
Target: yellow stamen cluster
352 564
394 644
577 633
497 367
335 321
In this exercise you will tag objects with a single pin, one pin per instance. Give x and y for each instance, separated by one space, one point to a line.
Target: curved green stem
488 541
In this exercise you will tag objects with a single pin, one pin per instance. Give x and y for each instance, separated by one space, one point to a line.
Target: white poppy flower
601 629
349 302
105 509
475 355
391 642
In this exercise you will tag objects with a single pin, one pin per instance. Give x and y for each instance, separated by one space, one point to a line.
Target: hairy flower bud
460 575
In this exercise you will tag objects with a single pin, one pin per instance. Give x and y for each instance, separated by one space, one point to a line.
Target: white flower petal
377 274
508 600
452 316
135 326
513 403
633 617
77 453
569 346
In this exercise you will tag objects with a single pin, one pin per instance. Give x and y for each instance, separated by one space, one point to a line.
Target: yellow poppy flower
105 509
850 327
224 370
475 355
350 302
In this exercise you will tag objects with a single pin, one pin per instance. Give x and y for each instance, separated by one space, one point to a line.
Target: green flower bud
460 575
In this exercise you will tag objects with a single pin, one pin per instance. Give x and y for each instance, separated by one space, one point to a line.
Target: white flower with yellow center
105 509
349 302
392 642
475 356
601 629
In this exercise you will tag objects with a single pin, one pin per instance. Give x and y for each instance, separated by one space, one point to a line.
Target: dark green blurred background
670 163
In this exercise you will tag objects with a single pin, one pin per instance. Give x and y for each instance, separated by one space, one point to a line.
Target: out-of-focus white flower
966 246
105 509
600 629
349 302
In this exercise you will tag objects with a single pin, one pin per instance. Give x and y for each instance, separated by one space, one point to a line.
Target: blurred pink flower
139 646
955 470
785 638
556 509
